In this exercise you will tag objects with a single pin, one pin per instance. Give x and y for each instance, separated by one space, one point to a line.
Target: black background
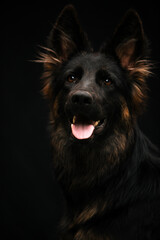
31 199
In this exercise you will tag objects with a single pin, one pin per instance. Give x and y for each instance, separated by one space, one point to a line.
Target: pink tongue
81 131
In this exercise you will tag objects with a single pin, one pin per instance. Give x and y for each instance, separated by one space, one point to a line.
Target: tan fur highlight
85 215
142 69
50 60
125 51
139 72
89 212
125 111
67 45
48 57
90 235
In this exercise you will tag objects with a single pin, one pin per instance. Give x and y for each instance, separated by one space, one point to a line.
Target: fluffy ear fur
129 46
65 39
128 43
129 40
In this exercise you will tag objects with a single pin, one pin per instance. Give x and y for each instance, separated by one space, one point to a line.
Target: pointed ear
67 37
128 42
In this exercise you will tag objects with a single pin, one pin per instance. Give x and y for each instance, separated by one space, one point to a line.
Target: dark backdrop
31 200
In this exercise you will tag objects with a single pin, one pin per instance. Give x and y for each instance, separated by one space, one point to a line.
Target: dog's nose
82 98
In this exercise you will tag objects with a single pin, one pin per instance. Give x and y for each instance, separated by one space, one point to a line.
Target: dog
108 170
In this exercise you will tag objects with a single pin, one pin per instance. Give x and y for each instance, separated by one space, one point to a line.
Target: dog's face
94 94
92 98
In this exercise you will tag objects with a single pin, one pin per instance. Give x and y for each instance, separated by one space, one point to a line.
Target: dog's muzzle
83 114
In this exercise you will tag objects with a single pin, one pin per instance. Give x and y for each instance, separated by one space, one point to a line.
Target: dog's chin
84 129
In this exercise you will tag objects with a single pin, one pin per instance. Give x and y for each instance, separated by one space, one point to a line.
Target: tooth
74 119
96 123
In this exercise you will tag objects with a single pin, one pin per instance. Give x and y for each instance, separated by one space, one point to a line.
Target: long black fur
111 181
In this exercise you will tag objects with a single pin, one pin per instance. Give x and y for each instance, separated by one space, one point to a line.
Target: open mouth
83 128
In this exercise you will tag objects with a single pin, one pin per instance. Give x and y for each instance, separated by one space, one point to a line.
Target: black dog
109 171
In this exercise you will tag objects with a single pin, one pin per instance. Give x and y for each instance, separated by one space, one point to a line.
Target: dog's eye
103 77
72 78
108 81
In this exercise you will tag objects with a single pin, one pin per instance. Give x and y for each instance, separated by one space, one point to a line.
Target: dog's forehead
89 62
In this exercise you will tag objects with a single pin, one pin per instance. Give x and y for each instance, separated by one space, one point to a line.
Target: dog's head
91 93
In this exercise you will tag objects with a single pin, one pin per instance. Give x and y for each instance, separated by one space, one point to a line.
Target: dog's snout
82 98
